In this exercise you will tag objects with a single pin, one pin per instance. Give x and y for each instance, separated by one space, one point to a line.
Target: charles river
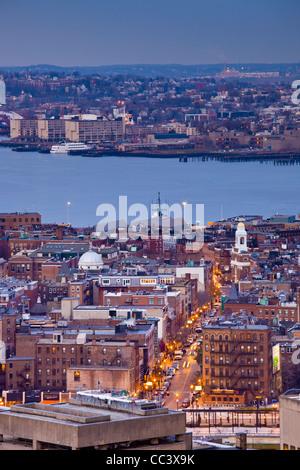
45 183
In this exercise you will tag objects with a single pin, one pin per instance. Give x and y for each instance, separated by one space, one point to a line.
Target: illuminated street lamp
68 212
177 396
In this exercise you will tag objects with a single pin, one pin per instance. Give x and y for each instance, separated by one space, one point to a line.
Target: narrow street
185 376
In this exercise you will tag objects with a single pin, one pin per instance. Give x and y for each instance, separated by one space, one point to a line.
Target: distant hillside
155 70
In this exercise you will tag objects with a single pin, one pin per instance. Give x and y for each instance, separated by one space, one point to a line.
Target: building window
76 376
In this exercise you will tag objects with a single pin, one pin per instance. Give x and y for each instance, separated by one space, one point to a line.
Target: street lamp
177 395
68 212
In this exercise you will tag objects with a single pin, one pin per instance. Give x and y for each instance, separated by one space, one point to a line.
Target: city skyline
97 33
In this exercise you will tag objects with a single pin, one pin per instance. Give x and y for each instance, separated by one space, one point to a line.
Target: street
180 384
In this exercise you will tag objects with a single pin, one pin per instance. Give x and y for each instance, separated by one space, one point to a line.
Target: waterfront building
51 130
73 130
96 130
24 129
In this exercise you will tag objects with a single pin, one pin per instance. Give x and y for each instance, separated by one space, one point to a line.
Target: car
185 403
176 365
178 356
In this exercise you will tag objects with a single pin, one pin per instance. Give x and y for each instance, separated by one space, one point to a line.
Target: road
181 382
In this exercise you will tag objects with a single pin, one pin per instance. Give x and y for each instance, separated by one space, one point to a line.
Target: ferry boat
68 147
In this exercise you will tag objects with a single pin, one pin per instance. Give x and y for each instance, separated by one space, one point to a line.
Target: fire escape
24 380
235 361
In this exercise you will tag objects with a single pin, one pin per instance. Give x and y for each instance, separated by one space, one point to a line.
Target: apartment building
106 364
124 282
74 130
269 310
51 130
24 129
64 363
237 356
96 130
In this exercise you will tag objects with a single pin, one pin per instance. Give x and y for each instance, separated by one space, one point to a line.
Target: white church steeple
241 238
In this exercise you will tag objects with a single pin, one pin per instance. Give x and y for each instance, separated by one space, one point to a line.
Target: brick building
20 373
124 282
84 362
55 350
106 364
8 328
237 356
270 310
14 220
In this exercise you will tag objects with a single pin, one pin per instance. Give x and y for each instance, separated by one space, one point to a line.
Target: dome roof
90 261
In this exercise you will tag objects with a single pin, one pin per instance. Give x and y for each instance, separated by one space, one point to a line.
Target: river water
32 181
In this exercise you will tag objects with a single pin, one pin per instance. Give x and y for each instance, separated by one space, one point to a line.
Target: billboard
276 358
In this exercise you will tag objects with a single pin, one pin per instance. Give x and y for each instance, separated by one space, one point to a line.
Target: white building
90 261
2 92
240 256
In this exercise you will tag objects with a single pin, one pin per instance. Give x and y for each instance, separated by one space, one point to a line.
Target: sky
98 32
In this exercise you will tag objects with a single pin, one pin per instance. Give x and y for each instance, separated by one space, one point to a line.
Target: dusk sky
97 32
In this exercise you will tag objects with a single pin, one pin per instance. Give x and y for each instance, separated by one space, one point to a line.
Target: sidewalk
250 431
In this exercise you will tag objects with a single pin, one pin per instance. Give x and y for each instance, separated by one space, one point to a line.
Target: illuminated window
76 376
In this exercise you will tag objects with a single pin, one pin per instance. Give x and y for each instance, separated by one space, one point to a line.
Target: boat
24 148
68 147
